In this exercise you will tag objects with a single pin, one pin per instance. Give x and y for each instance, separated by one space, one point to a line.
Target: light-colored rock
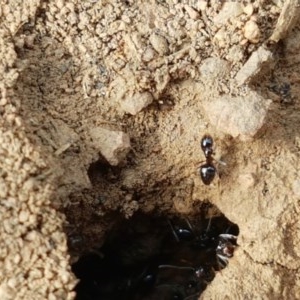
235 54
278 3
148 54
113 145
229 10
213 68
287 19
248 9
220 38
201 4
238 116
134 104
192 13
24 216
159 43
254 64
252 32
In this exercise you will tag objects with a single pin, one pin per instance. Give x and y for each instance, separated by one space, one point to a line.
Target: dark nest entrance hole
157 257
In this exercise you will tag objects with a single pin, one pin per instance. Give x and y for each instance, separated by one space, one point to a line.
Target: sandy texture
69 67
34 261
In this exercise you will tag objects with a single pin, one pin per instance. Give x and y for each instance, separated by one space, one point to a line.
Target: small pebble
253 65
213 68
248 9
148 54
229 10
238 116
159 43
134 104
192 13
252 32
113 145
201 4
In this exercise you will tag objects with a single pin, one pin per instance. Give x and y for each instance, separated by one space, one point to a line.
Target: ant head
225 248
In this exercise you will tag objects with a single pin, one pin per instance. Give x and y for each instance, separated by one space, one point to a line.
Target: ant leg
228 228
98 253
189 225
198 164
173 231
192 296
176 267
222 261
221 162
209 223
181 234
173 287
228 236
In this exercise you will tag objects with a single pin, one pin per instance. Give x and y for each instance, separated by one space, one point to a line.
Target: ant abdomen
207 173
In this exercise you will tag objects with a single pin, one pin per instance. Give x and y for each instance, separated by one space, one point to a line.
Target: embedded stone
238 116
134 104
113 145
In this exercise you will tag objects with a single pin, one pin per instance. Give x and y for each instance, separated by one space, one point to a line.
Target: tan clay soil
160 72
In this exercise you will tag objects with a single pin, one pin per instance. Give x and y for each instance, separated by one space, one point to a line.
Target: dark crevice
156 257
101 170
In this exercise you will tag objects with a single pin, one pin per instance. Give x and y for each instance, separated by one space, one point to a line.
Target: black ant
207 170
222 243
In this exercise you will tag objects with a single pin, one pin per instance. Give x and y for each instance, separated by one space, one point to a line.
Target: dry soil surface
103 106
